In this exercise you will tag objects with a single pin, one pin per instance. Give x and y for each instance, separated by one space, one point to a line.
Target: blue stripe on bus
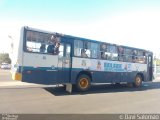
46 68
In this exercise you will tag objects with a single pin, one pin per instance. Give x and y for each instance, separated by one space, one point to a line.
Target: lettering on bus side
116 67
112 67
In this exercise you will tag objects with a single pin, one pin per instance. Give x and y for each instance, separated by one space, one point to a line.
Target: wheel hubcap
83 83
138 81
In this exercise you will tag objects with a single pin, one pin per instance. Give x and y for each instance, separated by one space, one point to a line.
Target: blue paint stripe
45 68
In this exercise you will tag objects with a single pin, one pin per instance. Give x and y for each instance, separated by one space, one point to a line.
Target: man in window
56 48
83 53
134 55
103 56
54 44
120 53
43 48
50 48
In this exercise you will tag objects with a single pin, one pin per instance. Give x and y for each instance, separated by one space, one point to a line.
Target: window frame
112 52
79 48
86 47
47 41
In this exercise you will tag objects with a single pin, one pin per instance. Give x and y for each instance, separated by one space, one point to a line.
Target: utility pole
155 64
12 46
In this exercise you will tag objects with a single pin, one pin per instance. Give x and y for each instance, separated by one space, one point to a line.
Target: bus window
104 55
61 50
78 46
68 51
127 55
38 42
103 47
141 57
32 46
103 51
144 57
82 49
94 50
87 49
120 53
112 52
134 55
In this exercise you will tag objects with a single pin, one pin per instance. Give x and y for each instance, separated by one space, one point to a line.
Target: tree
4 57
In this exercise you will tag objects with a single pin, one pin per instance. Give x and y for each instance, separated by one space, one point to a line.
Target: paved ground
17 97
7 82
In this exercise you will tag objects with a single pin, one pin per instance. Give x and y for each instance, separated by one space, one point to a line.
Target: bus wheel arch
83 81
138 80
86 73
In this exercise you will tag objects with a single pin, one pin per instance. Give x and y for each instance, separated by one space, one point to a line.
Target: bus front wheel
137 81
83 83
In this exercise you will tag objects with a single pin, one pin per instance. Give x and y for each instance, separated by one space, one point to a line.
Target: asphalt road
17 97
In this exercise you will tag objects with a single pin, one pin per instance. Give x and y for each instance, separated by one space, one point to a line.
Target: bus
52 58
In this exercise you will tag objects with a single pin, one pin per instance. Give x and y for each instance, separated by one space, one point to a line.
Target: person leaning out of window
56 49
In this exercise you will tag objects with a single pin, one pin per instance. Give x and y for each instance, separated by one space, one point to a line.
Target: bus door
64 63
150 68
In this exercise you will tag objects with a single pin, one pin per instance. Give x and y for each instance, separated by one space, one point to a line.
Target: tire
83 83
137 81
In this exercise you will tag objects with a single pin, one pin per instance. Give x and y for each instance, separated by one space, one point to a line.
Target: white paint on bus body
106 65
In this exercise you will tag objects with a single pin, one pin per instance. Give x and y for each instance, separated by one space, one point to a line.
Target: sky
134 23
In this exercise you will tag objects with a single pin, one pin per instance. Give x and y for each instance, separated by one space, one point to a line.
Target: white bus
51 58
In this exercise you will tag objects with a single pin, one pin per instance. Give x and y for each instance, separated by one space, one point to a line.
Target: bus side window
94 50
103 51
144 57
68 50
134 55
87 49
78 46
127 57
61 50
104 55
141 57
112 52
43 43
120 53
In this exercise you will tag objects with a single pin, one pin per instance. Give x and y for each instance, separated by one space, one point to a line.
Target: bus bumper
16 76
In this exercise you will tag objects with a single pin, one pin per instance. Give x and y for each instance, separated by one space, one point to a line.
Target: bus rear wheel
137 81
83 83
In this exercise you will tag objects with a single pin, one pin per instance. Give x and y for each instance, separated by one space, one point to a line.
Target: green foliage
4 57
